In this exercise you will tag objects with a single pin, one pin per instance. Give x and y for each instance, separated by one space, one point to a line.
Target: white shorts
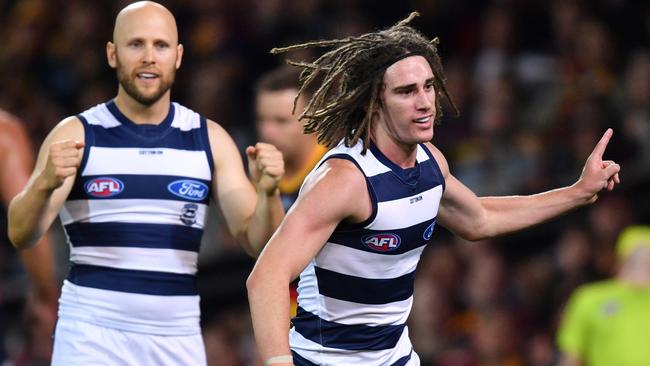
80 343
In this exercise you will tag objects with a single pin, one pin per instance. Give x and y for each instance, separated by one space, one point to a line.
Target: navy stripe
117 234
342 336
363 290
298 360
138 282
411 237
390 187
173 138
141 187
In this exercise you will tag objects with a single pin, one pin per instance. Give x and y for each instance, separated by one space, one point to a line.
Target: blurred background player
277 123
277 111
606 323
16 163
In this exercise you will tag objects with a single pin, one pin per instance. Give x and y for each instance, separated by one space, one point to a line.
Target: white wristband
279 359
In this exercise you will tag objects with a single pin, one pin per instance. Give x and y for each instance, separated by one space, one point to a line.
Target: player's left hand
266 166
599 174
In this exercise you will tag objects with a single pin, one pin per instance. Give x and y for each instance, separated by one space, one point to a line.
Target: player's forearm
26 212
39 263
267 217
512 213
268 295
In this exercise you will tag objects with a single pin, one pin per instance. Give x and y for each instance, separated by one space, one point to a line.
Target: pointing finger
599 150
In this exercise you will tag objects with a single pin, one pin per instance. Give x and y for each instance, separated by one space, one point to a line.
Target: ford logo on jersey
104 187
190 189
428 231
384 242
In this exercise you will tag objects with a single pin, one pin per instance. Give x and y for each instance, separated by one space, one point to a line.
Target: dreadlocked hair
351 77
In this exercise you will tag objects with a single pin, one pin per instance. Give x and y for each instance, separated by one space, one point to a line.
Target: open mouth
424 119
146 75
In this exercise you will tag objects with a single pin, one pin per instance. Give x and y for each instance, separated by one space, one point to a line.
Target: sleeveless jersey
134 221
355 295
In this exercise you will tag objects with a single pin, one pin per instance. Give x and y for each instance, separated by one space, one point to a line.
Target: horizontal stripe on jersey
162 160
139 282
402 354
410 238
121 234
363 290
143 187
140 259
162 212
349 337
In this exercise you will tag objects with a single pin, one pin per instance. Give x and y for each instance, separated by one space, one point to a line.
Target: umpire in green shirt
608 323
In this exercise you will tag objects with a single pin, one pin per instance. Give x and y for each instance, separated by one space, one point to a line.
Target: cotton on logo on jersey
104 187
384 242
189 189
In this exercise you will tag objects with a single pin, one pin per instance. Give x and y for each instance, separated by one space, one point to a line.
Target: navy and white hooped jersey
134 221
354 297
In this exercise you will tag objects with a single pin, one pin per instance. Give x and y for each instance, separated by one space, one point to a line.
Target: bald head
143 16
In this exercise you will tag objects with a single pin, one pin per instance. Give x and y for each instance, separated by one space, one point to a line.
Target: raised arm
252 212
335 192
32 211
476 218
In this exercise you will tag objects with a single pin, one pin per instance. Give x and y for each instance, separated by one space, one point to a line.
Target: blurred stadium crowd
537 83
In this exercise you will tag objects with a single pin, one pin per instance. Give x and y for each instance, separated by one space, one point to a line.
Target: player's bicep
68 129
329 196
460 209
231 187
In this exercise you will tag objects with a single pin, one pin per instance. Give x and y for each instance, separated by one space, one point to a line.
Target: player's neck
403 155
140 113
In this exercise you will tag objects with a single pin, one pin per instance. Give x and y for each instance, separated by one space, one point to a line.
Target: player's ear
179 55
111 55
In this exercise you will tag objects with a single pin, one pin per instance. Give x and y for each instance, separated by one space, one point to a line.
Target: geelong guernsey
354 297
134 221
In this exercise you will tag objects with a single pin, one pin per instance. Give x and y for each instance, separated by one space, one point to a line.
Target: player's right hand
62 162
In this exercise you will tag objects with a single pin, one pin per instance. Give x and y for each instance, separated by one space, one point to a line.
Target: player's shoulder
69 128
338 174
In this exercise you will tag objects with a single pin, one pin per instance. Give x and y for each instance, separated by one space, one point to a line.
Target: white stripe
162 315
365 264
142 259
413 213
100 115
352 313
347 312
185 119
326 356
145 211
183 163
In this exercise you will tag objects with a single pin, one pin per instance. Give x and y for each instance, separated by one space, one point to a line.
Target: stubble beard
128 84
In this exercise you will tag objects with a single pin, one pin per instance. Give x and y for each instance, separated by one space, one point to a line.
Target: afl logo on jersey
428 231
189 189
104 187
384 242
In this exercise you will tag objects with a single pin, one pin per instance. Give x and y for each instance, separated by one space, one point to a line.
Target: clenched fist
265 165
63 161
